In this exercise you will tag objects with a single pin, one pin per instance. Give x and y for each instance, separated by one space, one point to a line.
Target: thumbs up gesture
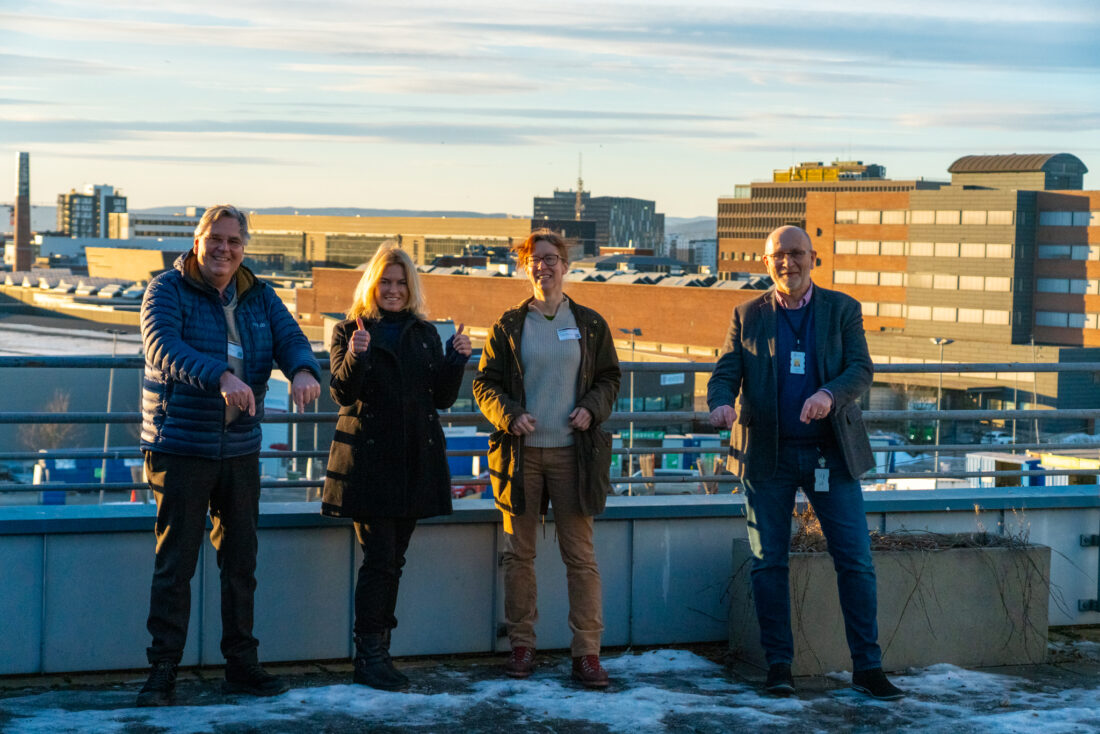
461 342
360 338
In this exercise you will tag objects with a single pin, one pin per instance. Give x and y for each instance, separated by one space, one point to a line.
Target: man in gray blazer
797 357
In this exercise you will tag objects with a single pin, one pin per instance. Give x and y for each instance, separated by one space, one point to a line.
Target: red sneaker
588 671
521 663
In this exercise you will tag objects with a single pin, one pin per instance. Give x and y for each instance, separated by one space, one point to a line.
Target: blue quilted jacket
183 331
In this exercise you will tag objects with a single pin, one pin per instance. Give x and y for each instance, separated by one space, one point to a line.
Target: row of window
1069 219
924 249
925 216
1076 286
1067 320
937 281
993 317
1069 252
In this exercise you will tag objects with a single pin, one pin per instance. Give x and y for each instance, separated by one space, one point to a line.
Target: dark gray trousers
186 487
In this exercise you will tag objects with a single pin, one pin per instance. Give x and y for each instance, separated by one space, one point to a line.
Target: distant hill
342 211
693 228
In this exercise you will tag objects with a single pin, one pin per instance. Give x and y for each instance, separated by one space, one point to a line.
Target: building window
1081 219
866 277
1081 252
1076 320
867 248
943 313
920 313
922 216
947 216
846 216
996 317
890 279
844 276
999 217
1055 252
921 249
973 217
1055 219
845 247
1094 219
870 308
1052 285
971 283
970 315
869 216
920 280
972 249
893 248
947 249
1051 318
998 251
897 216
943 282
890 310
994 283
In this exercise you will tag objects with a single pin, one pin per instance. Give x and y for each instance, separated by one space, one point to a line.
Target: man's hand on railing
723 416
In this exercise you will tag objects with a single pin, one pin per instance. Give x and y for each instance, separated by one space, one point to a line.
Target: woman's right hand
360 338
523 426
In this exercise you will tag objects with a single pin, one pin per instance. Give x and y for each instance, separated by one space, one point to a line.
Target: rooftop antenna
578 205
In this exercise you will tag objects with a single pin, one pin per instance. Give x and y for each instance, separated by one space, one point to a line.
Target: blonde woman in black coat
387 465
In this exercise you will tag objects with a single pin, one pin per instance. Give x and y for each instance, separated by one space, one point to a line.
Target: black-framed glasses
547 260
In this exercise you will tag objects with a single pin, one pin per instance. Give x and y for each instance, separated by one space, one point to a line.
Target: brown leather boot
588 671
521 663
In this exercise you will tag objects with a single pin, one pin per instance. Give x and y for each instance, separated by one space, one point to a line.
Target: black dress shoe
875 684
779 681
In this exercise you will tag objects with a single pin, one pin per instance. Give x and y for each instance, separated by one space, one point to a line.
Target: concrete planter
971 607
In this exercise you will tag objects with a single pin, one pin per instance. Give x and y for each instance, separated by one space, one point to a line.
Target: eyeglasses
547 260
788 254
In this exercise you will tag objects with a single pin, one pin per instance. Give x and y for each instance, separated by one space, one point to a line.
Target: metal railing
618 420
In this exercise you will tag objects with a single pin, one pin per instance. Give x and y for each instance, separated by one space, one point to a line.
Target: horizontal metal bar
973 474
138 362
617 419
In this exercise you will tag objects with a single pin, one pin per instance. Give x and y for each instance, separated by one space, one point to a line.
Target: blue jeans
769 505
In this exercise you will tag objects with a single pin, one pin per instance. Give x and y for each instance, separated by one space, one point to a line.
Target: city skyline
426 105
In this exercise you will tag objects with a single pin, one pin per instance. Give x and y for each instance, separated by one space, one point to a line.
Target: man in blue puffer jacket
211 331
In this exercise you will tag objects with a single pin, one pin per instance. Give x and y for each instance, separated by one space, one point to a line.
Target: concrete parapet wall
74 580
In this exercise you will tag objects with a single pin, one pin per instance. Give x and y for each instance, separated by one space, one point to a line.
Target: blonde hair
365 302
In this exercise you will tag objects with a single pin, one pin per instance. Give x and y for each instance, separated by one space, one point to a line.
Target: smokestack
24 256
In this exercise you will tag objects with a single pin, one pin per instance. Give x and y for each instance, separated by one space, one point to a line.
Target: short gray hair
215 213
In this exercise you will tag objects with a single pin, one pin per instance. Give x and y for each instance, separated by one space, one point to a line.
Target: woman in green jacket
548 450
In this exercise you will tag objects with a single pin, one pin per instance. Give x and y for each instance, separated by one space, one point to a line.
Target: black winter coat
388 457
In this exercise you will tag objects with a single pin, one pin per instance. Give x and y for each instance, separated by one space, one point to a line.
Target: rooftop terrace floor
658 690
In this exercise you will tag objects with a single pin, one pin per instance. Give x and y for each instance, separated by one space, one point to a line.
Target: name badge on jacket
572 332
798 363
236 350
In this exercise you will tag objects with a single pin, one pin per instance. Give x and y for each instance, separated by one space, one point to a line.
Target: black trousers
384 542
186 487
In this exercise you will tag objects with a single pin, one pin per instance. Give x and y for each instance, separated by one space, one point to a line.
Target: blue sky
479 105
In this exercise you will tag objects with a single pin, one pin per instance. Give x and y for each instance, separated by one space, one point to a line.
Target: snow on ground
661 690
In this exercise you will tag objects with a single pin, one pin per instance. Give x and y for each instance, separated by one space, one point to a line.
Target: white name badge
798 363
821 480
572 332
236 350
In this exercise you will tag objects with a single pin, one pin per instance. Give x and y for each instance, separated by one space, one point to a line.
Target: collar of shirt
800 304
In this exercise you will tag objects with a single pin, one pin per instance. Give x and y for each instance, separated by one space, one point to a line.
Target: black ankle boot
373 666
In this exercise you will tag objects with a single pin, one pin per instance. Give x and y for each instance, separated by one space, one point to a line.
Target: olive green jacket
499 391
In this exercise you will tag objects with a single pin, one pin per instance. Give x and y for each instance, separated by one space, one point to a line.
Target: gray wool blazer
748 369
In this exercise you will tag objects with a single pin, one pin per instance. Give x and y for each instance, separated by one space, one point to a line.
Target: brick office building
1005 272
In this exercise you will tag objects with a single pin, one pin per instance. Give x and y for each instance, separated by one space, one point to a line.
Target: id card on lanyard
798 354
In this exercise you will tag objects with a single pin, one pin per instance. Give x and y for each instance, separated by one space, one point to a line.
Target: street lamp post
941 342
635 332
